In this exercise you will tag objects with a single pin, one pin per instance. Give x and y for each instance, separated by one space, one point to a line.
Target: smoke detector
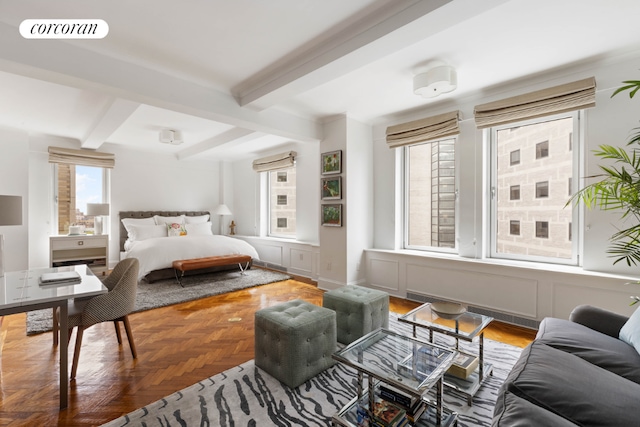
168 136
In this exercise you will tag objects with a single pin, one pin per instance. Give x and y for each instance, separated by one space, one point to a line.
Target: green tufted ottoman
294 341
359 310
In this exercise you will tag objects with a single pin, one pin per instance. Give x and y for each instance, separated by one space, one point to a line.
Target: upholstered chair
113 306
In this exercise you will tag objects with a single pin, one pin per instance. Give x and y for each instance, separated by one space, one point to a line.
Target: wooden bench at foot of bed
184 265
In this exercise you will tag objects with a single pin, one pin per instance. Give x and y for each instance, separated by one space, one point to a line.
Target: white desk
20 292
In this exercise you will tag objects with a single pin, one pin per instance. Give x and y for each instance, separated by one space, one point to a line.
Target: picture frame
331 188
331 215
331 162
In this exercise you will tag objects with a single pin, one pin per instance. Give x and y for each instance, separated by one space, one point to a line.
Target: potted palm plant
619 189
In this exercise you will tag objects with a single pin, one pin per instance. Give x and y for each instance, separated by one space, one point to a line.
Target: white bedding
160 252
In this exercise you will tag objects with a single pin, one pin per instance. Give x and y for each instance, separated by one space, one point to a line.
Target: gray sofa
576 372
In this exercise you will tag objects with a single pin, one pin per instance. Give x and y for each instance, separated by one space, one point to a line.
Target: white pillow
128 222
630 332
196 219
175 229
144 232
161 220
198 229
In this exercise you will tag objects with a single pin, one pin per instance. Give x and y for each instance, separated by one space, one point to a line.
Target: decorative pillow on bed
161 220
198 219
128 222
175 229
199 229
144 232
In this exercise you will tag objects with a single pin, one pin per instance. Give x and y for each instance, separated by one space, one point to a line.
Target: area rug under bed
247 396
168 292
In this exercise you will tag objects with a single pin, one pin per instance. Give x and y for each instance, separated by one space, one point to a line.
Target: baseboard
503 317
270 266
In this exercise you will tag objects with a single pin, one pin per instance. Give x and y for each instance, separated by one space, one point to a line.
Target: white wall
246 194
14 181
139 181
530 292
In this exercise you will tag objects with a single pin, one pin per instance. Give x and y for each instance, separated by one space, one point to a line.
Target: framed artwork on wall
331 215
331 162
332 188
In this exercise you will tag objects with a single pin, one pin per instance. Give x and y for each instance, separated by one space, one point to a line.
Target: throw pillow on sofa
630 332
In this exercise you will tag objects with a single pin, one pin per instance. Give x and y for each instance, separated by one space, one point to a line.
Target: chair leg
127 328
118 334
76 353
56 325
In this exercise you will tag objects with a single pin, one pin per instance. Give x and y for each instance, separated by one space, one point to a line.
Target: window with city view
430 195
529 218
282 202
76 186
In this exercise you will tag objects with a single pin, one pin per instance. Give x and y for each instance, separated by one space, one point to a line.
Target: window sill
275 239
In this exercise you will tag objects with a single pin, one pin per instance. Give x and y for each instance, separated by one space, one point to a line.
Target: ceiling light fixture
168 136
438 80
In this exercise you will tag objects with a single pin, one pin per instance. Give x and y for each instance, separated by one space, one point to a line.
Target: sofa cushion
573 388
607 352
514 411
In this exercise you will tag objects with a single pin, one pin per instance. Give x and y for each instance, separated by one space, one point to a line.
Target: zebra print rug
248 396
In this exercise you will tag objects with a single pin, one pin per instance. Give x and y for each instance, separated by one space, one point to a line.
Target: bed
156 239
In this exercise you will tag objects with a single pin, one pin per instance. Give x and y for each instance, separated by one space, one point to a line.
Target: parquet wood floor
177 346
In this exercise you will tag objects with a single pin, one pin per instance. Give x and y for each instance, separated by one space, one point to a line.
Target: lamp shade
96 209
222 210
10 210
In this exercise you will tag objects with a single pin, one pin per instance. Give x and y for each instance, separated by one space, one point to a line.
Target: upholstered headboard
149 214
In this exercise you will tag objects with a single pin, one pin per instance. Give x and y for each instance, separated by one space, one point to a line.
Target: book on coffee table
463 365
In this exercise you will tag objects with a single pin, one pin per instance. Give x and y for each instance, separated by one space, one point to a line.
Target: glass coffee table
462 325
399 369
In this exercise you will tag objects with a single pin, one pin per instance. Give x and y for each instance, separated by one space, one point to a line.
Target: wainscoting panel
566 296
270 254
384 274
301 260
512 294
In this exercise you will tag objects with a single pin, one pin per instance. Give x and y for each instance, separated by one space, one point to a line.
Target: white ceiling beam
374 37
232 136
113 116
59 62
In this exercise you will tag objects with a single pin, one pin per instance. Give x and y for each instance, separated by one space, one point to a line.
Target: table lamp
10 214
222 210
97 210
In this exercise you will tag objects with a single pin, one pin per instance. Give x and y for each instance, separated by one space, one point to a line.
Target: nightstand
92 250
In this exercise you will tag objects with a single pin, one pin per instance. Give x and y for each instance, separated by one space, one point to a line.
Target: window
540 213
542 149
514 228
75 187
514 192
430 195
542 189
515 157
282 202
542 229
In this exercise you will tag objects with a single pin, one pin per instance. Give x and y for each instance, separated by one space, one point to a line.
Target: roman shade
427 129
71 156
277 161
554 100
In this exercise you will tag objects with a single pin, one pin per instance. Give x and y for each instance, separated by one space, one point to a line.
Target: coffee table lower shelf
348 417
469 386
